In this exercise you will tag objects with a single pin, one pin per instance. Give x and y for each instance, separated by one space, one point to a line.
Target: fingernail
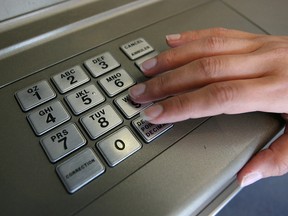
152 112
250 178
137 90
173 37
148 64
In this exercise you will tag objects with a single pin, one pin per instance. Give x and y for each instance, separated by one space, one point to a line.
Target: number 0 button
118 146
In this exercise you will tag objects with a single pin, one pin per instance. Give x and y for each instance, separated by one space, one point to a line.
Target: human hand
221 71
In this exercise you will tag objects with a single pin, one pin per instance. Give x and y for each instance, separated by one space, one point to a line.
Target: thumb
269 162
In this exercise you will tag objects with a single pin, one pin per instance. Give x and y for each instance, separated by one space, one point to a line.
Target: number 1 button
118 146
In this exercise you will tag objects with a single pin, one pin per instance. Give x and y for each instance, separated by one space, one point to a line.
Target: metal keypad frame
103 123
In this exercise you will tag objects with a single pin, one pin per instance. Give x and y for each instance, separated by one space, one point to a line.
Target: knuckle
218 31
223 93
169 57
280 162
210 67
215 43
160 85
181 105
280 51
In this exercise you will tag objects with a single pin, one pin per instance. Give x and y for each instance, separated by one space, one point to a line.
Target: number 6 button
118 146
116 82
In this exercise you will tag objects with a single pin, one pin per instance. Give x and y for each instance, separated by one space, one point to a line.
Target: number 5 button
118 146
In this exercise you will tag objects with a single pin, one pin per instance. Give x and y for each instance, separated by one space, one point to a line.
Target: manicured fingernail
152 112
148 64
137 90
251 178
173 37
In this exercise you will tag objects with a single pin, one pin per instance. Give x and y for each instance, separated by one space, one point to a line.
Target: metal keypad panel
76 134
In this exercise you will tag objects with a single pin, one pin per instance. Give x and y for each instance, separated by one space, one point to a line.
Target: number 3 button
118 146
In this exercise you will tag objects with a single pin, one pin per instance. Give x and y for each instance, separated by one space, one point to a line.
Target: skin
221 71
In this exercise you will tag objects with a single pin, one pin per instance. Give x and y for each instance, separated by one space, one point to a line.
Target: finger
175 40
205 47
270 162
229 97
200 73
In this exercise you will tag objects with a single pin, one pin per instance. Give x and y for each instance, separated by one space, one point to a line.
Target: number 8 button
100 121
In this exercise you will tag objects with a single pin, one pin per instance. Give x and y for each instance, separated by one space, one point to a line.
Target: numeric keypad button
70 79
100 121
48 117
35 95
80 170
128 107
149 131
101 64
116 82
62 142
84 99
137 48
118 146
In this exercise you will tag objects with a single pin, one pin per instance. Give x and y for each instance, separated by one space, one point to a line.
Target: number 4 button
118 146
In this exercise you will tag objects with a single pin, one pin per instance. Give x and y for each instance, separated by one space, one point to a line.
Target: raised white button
70 79
48 117
137 48
128 107
100 121
80 170
101 64
62 142
116 82
84 99
118 146
149 131
35 95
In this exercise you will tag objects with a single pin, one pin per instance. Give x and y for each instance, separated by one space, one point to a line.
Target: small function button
35 95
101 64
118 146
62 142
84 99
137 48
70 79
100 121
146 57
128 107
48 117
116 82
80 170
149 131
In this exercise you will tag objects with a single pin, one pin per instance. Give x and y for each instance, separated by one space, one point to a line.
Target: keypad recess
84 90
